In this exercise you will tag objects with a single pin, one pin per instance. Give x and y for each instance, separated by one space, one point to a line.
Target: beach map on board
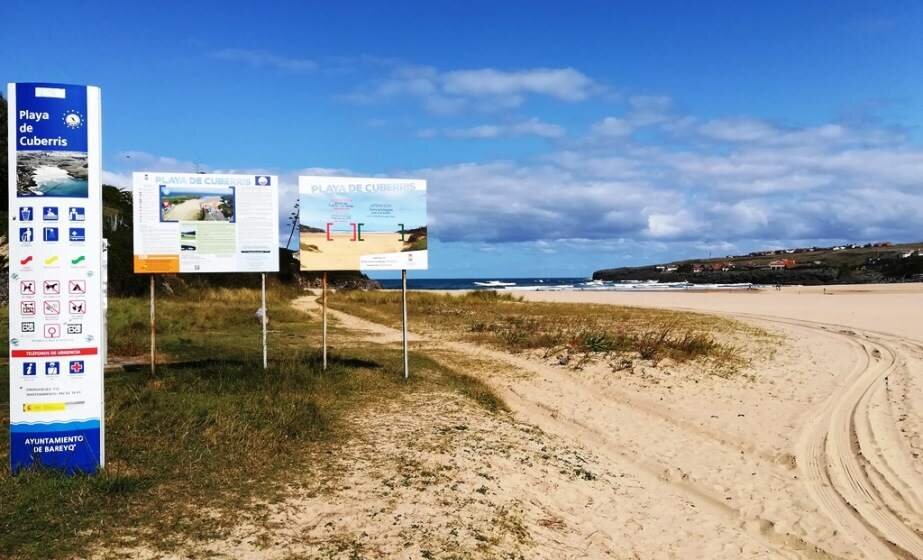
354 223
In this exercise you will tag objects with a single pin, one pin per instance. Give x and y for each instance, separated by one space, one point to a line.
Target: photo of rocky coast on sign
57 174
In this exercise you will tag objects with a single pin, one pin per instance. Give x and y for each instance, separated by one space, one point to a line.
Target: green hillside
853 264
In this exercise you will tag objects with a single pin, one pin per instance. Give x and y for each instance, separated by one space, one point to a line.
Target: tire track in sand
852 458
862 489
851 455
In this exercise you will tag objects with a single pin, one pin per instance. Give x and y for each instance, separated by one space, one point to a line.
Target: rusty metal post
324 313
404 321
265 320
153 328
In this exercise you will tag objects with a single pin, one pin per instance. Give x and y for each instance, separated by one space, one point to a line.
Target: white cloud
613 126
744 130
265 59
481 131
566 84
720 184
119 175
536 127
117 179
643 111
483 89
672 225
737 130
530 127
144 161
650 109
770 185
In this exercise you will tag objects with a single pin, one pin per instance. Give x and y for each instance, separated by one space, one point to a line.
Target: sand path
846 482
186 210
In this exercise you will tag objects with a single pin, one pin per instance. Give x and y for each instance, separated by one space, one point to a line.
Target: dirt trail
375 332
846 483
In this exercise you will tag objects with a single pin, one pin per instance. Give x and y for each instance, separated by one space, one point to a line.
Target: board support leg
324 313
404 322
153 327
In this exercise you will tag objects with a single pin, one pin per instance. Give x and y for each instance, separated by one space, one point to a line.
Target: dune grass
197 449
505 321
218 320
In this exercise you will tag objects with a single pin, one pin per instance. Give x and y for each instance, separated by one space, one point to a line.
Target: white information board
55 240
195 222
362 223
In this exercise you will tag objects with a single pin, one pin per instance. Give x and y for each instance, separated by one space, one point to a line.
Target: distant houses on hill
773 252
725 266
880 261
781 264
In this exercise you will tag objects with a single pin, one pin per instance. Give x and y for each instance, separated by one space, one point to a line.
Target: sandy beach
315 256
812 449
819 455
890 308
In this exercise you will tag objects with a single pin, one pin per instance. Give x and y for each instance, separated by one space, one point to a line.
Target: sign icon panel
25 235
50 214
25 214
74 329
76 286
52 307
27 287
77 214
51 287
77 367
50 234
77 234
29 369
28 327
27 307
52 368
52 331
78 306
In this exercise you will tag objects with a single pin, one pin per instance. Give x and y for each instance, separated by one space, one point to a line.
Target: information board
195 222
55 308
356 223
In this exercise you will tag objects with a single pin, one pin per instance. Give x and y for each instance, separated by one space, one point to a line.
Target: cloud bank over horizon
641 174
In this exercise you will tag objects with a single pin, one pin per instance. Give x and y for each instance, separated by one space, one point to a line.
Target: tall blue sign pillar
55 311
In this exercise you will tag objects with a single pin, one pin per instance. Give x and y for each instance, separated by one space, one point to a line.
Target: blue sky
557 138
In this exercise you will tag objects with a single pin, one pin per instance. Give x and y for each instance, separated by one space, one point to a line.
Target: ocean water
552 284
53 181
469 283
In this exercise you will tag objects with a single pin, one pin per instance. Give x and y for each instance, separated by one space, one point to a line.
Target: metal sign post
153 327
265 319
404 321
324 313
104 298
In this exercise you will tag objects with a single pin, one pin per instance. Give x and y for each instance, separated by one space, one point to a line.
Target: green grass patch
220 321
181 447
197 449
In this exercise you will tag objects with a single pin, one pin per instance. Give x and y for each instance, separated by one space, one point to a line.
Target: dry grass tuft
574 333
